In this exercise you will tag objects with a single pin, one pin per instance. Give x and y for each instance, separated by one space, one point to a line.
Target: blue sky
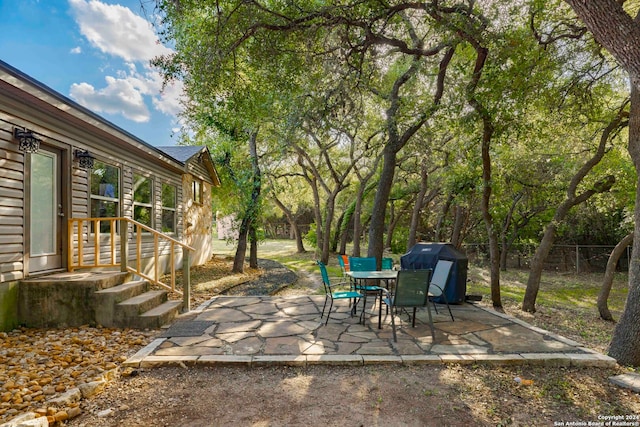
97 53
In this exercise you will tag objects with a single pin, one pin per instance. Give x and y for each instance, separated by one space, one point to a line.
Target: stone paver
631 381
258 331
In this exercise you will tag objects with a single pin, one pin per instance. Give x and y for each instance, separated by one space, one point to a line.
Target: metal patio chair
364 264
438 284
411 292
332 293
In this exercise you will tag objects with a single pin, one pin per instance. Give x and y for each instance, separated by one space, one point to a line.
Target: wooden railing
81 229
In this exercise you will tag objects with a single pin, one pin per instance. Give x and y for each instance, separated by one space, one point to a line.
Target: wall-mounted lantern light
85 159
27 141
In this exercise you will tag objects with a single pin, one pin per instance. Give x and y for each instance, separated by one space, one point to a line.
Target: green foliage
399 240
295 71
312 236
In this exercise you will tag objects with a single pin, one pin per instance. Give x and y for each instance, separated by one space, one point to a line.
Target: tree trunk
393 219
487 135
376 226
337 234
460 214
439 233
620 35
625 344
295 228
604 185
505 230
241 250
607 281
253 247
419 204
247 226
328 219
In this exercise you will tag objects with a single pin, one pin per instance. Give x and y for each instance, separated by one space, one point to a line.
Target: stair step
141 303
124 291
160 315
108 313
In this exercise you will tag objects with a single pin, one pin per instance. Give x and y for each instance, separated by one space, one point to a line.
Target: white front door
45 211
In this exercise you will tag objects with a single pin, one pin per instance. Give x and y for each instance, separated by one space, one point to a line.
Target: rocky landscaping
46 373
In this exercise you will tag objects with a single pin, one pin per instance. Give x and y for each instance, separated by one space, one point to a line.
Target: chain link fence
563 258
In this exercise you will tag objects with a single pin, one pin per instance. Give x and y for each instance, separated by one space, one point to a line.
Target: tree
610 270
619 33
573 198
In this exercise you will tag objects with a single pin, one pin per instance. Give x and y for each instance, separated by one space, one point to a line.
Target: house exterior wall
64 128
13 251
198 220
11 207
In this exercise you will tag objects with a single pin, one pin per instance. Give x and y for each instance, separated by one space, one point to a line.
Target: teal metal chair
331 292
343 260
411 292
364 264
438 284
387 263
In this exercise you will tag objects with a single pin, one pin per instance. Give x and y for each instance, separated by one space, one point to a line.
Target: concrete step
159 316
142 303
107 300
117 294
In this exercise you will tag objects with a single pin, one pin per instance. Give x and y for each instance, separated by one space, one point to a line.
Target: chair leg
326 297
433 331
364 306
435 307
393 325
329 313
448 308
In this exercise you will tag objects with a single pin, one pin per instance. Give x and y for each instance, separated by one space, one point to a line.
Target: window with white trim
169 203
105 193
143 199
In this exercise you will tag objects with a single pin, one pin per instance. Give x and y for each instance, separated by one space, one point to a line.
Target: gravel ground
43 371
276 277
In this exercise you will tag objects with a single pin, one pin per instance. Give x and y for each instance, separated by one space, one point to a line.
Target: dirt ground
421 395
359 396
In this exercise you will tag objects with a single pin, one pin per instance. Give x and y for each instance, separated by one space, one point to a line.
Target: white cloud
169 100
76 50
115 30
120 96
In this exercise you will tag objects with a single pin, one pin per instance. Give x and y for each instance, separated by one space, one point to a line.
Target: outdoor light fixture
27 141
85 159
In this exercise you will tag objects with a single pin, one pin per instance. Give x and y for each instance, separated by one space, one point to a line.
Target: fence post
577 259
186 281
124 245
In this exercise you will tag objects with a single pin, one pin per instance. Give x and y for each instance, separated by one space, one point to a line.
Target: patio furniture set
404 289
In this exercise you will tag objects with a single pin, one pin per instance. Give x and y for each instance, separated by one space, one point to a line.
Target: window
143 200
105 193
197 191
168 208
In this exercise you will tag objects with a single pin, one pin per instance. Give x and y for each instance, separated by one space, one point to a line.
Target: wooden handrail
77 260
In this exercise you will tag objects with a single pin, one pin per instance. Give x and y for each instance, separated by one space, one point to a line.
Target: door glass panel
43 204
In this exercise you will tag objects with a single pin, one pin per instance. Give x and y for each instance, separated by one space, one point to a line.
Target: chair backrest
411 288
362 264
325 276
440 277
387 263
343 260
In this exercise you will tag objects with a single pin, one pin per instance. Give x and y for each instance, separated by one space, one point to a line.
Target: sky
95 52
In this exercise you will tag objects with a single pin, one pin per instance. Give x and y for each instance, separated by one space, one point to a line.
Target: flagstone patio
259 330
